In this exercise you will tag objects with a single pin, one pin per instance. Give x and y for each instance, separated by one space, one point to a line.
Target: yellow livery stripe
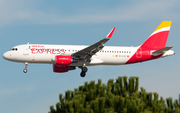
163 24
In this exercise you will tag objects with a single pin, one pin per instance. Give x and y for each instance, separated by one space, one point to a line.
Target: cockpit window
13 49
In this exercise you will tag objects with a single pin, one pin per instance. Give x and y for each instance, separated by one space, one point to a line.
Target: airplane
67 57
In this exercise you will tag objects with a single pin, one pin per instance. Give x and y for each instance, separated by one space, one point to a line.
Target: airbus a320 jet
67 57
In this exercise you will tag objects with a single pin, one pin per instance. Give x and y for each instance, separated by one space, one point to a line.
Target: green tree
121 96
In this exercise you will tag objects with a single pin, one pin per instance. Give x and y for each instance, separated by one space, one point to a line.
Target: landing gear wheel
85 69
25 70
83 74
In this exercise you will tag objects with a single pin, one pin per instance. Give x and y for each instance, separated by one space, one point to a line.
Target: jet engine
64 60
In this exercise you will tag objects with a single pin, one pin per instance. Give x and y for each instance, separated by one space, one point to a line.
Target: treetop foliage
121 96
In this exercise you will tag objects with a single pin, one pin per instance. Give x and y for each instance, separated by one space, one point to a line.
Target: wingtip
110 33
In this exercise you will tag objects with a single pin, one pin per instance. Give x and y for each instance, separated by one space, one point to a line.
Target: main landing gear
25 70
84 70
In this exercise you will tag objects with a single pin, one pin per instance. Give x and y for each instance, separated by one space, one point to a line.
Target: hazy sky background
82 23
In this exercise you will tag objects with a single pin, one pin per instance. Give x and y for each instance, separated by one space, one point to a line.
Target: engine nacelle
62 69
64 60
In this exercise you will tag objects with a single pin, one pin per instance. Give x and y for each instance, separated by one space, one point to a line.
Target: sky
82 23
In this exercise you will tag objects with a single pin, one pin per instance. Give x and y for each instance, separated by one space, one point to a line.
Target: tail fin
157 40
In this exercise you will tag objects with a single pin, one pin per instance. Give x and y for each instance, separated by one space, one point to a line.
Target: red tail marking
156 41
145 55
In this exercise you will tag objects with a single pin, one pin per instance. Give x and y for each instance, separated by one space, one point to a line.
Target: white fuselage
36 53
109 55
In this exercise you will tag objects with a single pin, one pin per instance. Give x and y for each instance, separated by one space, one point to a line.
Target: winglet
110 33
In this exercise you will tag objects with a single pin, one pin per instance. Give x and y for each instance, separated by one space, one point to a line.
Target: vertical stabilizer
157 40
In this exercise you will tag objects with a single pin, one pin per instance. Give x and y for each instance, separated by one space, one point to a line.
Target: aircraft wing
86 53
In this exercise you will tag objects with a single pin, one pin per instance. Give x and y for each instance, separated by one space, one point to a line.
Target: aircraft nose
5 55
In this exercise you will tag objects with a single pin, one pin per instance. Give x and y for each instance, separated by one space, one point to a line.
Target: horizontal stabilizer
161 51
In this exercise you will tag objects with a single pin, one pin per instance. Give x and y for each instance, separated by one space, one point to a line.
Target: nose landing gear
83 72
25 70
